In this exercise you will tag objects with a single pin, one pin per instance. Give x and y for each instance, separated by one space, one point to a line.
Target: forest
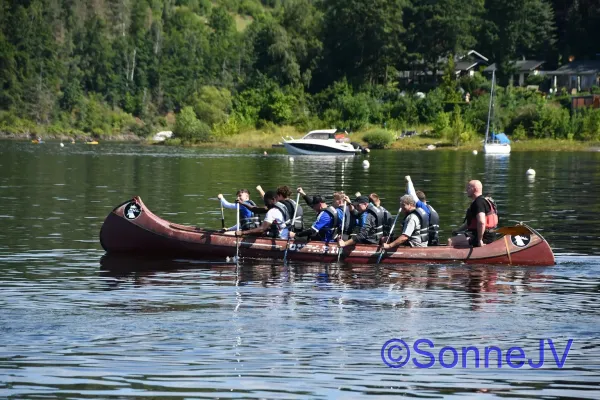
210 69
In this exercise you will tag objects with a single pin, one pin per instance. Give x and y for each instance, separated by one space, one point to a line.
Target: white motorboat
495 143
322 142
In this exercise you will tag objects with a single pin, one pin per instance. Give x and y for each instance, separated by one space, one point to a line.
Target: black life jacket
434 227
276 227
387 221
377 233
298 224
249 222
423 232
333 226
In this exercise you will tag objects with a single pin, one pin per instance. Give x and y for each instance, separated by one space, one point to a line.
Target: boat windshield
319 136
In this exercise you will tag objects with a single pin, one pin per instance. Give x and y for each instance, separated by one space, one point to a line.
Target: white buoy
265 154
431 147
366 164
292 159
530 172
474 152
61 144
357 194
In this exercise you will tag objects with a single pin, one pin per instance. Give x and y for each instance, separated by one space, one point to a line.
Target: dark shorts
488 237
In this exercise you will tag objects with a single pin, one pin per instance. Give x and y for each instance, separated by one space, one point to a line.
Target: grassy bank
261 139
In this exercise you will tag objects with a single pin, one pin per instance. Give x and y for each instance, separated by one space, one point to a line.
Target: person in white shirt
273 224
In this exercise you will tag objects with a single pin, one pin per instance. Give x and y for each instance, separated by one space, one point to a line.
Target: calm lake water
76 325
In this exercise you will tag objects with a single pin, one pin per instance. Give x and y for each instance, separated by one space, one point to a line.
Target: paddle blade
514 230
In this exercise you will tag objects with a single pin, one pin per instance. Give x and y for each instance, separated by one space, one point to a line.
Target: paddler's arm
255 209
310 233
396 243
410 189
307 199
256 231
225 203
480 229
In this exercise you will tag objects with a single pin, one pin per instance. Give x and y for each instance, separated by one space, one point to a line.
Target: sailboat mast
487 128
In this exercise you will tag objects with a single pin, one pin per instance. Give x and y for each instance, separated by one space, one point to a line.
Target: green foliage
212 105
189 129
379 138
519 133
108 68
459 132
553 122
441 125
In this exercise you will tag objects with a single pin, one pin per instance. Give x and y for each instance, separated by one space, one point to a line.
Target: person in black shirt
480 219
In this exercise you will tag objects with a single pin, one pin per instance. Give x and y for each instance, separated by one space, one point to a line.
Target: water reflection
482 284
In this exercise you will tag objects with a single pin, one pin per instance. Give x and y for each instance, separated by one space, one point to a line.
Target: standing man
415 229
480 219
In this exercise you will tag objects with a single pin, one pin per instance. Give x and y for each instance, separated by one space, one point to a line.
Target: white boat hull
309 148
496 148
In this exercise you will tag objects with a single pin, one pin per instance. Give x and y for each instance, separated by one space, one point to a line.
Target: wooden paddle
287 246
340 249
237 228
222 215
514 230
389 235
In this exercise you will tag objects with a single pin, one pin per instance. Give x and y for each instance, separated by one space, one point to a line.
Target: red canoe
131 228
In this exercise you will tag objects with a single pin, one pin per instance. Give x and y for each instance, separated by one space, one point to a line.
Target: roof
465 65
578 68
323 131
519 65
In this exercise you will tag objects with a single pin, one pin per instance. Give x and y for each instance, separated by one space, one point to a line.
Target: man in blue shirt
325 226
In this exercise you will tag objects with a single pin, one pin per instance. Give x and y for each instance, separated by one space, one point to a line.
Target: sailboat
496 143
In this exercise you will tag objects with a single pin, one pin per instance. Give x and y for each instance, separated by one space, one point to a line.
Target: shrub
379 139
172 142
441 124
189 128
535 79
519 133
212 105
429 107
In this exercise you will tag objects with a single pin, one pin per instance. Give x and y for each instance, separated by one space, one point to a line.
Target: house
576 75
522 69
466 64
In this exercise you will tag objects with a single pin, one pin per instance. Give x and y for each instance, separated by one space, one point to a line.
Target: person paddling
273 224
328 219
371 230
480 219
387 217
415 228
248 220
421 202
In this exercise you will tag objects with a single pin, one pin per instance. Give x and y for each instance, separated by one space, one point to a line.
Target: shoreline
264 141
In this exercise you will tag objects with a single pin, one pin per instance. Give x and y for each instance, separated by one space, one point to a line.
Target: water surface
77 325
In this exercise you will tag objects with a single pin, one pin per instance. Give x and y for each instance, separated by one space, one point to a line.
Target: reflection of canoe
131 228
93 142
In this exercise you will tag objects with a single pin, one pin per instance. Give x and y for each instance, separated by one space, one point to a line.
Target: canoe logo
520 240
132 210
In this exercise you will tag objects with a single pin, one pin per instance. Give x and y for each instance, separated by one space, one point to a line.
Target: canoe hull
131 228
